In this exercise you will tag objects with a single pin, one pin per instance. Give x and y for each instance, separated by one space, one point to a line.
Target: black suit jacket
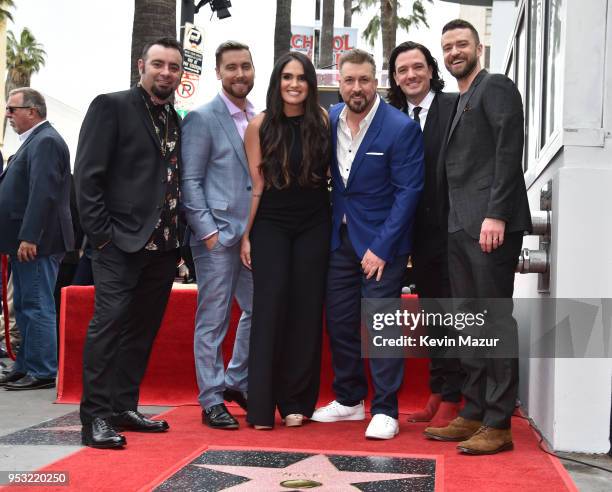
483 156
120 175
35 195
430 219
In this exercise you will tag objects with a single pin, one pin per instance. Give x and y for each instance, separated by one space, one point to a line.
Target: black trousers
132 290
430 268
289 271
491 385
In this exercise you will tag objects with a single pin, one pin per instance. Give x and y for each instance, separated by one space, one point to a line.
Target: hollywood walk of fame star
317 468
76 428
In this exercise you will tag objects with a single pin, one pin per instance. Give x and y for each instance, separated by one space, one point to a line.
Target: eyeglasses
12 109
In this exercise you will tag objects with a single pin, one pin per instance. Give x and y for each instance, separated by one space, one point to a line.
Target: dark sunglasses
12 109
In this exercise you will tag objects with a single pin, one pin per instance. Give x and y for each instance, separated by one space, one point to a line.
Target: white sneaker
334 411
382 427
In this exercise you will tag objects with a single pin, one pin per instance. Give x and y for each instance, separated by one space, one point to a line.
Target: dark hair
228 46
32 99
275 133
395 95
461 24
165 42
357 57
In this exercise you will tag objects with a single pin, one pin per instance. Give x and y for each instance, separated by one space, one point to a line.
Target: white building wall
569 399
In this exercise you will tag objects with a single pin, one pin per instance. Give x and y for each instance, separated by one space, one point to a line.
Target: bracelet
256 195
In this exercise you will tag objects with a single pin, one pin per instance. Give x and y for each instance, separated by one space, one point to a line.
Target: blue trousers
346 286
33 287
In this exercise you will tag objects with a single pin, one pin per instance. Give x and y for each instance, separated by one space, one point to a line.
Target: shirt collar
368 118
233 109
24 136
425 103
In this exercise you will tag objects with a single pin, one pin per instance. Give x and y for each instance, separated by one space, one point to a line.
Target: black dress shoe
218 417
28 382
10 377
237 396
100 434
135 421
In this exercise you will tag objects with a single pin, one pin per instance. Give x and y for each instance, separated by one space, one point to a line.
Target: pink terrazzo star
317 468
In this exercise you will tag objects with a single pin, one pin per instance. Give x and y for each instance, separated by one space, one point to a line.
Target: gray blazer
215 179
483 156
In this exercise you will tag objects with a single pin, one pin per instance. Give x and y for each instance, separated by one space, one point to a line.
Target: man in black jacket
126 175
416 89
36 231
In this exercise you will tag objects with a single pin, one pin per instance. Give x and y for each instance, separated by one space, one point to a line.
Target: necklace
163 143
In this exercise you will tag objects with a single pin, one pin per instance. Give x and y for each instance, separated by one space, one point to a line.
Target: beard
238 94
460 73
358 107
160 93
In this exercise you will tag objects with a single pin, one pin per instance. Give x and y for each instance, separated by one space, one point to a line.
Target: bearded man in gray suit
216 192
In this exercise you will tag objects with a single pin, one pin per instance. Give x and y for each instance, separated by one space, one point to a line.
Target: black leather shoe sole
132 428
40 385
221 426
103 445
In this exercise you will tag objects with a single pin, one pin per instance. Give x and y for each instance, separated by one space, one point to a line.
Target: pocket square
375 153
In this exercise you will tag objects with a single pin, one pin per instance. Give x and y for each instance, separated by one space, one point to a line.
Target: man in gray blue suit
216 191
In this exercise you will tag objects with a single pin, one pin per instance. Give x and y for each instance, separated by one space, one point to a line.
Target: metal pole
187 15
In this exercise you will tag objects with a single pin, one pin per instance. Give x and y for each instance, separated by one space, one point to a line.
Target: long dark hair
395 95
275 133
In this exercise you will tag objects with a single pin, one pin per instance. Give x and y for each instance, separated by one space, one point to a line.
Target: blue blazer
35 195
384 185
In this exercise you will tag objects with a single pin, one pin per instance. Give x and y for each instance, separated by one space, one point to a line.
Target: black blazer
35 195
483 156
120 175
430 218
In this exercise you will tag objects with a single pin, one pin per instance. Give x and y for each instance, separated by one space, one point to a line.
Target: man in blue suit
36 230
377 177
216 188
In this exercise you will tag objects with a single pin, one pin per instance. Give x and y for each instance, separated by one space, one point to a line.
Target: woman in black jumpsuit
287 244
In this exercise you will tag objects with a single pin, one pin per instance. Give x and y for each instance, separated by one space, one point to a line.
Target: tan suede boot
487 441
459 429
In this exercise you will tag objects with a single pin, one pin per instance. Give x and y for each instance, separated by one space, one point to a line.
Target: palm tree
24 56
326 52
348 13
5 15
282 28
153 19
390 22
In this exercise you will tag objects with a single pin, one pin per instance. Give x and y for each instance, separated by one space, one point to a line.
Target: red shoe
431 407
447 411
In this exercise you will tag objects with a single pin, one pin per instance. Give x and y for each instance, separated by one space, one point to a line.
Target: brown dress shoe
459 429
487 440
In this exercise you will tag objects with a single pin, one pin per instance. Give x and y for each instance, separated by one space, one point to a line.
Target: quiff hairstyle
229 46
357 57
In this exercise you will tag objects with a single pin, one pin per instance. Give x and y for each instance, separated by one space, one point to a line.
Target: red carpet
149 459
170 378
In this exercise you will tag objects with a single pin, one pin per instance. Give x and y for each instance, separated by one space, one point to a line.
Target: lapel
334 133
369 137
229 127
22 147
463 103
433 117
141 109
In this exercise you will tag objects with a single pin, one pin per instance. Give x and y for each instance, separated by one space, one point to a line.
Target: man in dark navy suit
36 232
377 176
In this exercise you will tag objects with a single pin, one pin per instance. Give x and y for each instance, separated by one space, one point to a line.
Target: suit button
249 188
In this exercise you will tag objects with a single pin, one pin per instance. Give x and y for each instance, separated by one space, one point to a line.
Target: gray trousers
221 277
